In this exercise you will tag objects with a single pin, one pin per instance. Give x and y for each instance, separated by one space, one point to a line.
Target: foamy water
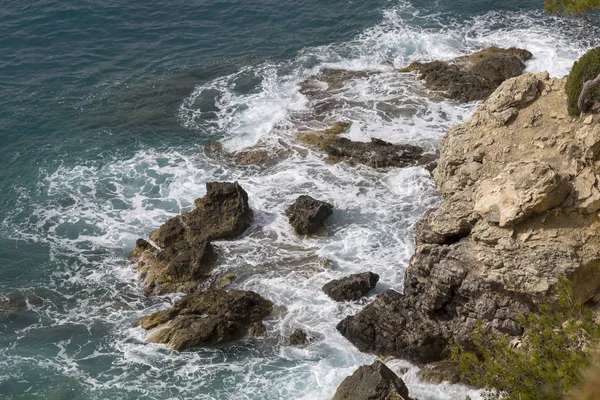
94 212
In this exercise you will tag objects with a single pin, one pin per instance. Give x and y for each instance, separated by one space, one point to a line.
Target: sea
106 111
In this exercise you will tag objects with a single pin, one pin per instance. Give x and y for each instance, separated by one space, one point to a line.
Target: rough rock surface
180 255
308 215
473 77
521 201
373 382
298 338
352 287
208 318
375 154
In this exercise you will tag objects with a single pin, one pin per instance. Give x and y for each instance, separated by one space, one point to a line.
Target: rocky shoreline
521 196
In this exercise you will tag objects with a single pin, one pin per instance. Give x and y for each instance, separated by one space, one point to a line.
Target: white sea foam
91 214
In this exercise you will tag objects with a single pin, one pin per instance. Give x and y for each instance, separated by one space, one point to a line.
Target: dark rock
308 215
441 302
208 318
184 256
373 382
376 153
474 77
352 287
298 338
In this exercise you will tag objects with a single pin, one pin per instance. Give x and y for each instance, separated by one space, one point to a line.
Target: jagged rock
298 338
474 77
373 382
519 212
352 287
181 255
308 215
375 154
208 318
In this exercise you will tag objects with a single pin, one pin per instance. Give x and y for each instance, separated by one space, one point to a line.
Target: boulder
209 318
373 382
180 255
352 287
522 189
308 215
298 338
473 77
520 211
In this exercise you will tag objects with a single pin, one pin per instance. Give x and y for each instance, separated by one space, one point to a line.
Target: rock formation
373 382
308 215
521 200
298 338
180 255
472 77
208 318
352 287
375 154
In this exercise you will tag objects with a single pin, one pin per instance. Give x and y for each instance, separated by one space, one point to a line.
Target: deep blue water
104 109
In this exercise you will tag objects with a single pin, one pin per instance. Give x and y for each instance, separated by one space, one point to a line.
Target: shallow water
105 111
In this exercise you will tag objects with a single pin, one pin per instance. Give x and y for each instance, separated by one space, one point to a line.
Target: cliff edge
521 200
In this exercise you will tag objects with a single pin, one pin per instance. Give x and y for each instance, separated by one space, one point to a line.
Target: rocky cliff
521 200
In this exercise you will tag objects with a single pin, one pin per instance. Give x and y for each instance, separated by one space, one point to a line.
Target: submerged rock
181 255
352 287
308 215
473 77
208 318
519 212
373 382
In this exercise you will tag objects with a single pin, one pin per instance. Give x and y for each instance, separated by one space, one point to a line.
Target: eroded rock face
181 255
308 215
373 382
473 77
352 287
520 211
208 318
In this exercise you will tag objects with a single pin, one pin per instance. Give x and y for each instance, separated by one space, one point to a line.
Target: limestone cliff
521 200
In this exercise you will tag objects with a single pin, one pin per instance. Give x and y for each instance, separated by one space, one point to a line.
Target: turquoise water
104 111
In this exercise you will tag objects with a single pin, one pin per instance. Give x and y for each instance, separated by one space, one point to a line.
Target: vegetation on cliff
548 361
583 82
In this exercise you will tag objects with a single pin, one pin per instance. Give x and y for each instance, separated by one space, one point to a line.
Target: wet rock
298 338
352 287
376 153
473 77
224 280
443 371
180 267
308 215
260 155
209 318
181 255
374 382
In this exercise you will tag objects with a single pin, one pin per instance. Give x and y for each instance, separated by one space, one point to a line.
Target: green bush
545 366
588 67
565 7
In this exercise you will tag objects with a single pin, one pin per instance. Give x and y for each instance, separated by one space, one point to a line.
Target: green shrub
545 366
565 7
588 67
